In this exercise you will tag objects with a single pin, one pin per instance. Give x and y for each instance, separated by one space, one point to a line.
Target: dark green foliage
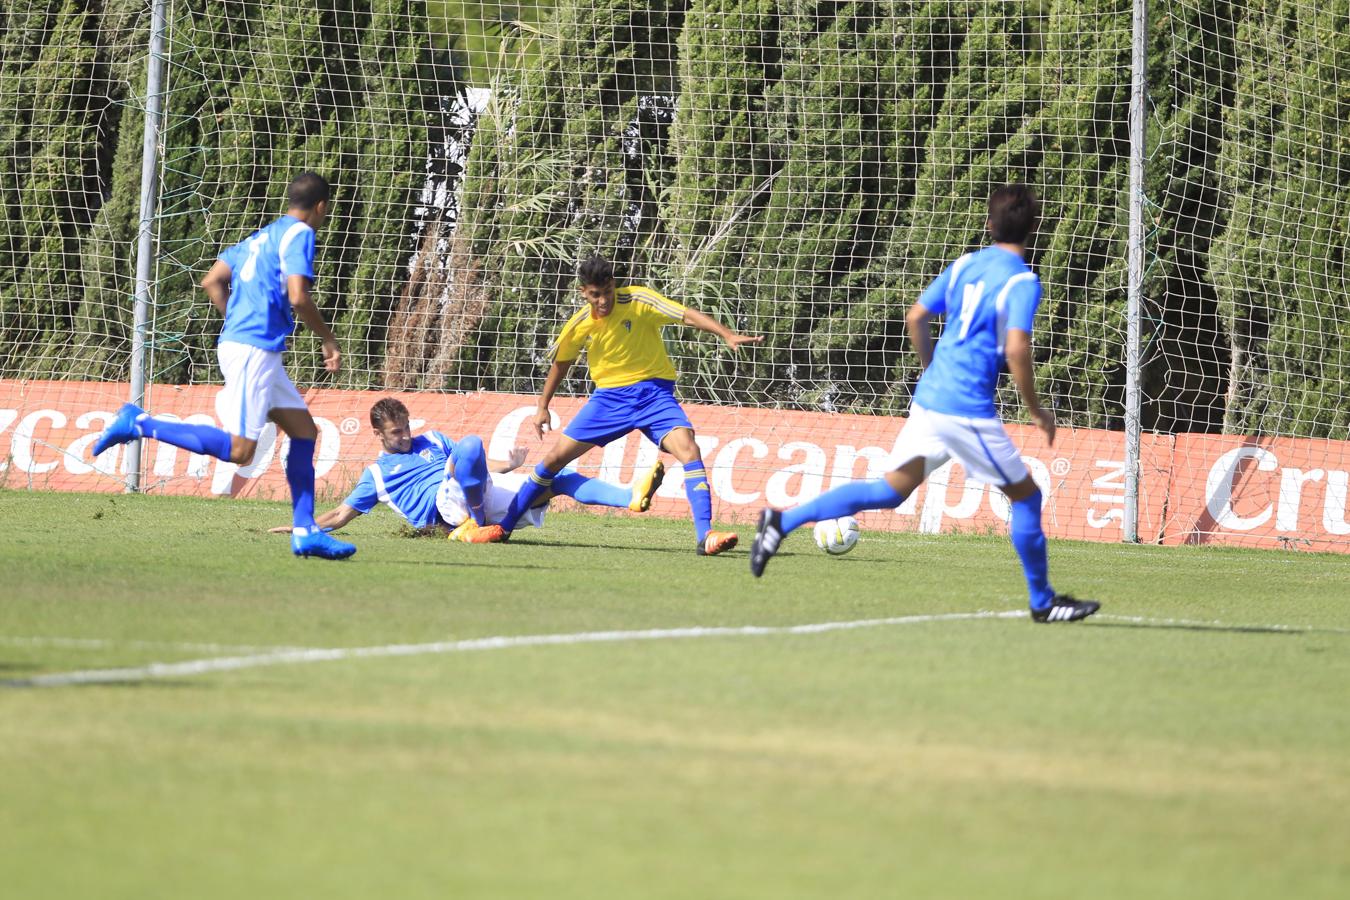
725 163
832 195
322 87
1279 266
1080 136
548 181
257 92
1191 82
58 81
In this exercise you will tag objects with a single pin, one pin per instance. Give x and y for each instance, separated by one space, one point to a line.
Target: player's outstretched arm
704 322
302 302
216 284
542 421
1018 353
514 460
332 520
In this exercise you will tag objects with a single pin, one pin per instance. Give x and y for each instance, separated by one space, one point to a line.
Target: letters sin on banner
1195 488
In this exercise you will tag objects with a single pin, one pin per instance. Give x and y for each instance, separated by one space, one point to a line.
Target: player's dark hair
387 410
595 271
1013 211
308 190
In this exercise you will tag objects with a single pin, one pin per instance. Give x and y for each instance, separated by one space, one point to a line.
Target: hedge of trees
797 167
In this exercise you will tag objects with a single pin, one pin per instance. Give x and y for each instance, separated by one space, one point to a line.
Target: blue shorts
649 406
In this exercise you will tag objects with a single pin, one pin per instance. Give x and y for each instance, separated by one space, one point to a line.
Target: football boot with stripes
1064 608
767 540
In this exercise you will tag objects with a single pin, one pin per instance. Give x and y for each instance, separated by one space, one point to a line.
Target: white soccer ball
837 536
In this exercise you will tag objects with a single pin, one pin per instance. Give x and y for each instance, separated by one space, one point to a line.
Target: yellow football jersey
624 347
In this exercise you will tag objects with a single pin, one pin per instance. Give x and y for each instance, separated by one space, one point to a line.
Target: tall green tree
1191 78
1079 163
391 132
980 136
725 164
54 104
856 93
322 86
548 181
1279 265
861 344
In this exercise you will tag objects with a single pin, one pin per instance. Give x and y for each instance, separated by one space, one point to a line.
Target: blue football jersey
983 295
408 482
259 312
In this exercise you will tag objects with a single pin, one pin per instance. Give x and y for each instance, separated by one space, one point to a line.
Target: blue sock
844 500
591 491
700 498
300 476
471 473
541 481
1029 541
196 438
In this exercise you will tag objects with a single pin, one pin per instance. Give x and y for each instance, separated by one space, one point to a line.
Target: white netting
797 169
1249 289
68 110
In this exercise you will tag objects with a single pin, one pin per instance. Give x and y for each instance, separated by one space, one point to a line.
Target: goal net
798 170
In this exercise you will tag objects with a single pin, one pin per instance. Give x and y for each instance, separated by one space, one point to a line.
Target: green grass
971 758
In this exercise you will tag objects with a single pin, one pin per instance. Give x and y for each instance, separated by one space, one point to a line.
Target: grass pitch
1193 742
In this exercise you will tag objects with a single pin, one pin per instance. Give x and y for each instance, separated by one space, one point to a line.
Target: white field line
288 656
276 656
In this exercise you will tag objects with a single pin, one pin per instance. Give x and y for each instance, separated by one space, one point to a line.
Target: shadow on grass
646 548
1215 627
452 564
34 682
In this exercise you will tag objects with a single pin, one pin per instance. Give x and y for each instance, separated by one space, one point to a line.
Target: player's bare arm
542 420
216 284
1018 353
332 520
514 460
916 323
302 302
704 322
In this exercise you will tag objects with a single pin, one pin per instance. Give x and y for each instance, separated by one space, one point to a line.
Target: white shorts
255 384
981 446
497 496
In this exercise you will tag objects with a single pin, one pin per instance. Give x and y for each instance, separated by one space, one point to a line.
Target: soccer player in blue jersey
989 298
620 329
260 286
432 480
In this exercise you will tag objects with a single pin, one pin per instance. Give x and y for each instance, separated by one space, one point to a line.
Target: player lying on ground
990 298
433 481
620 328
260 286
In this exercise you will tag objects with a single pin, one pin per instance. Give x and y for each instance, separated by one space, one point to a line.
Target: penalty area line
291 656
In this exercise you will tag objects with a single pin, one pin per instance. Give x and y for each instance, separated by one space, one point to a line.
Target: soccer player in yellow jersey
620 328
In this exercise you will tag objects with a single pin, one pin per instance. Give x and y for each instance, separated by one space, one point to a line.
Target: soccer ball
837 536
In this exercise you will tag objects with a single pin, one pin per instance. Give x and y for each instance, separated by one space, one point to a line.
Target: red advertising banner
1194 488
1266 492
